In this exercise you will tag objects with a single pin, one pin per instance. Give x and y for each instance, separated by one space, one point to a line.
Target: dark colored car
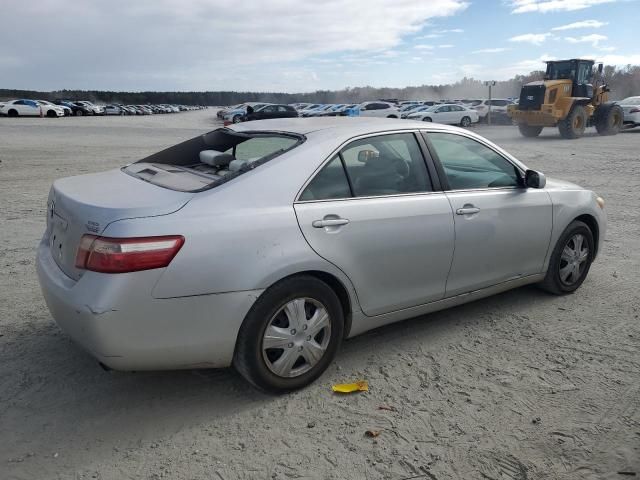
271 111
78 109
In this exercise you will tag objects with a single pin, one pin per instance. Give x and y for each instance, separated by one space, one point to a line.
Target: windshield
561 70
212 159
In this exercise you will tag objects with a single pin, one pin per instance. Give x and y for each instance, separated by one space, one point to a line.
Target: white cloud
491 50
533 38
521 67
607 49
544 6
424 47
428 36
582 24
199 44
620 60
453 30
446 46
594 39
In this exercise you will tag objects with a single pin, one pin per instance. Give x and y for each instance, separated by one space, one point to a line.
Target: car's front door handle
467 210
329 222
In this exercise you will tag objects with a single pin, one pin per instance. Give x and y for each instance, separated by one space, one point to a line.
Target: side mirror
533 179
600 68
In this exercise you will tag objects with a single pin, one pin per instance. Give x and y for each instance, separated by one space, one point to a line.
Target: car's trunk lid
86 204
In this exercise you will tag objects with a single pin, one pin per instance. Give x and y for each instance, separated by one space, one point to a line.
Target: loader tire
529 130
608 118
573 126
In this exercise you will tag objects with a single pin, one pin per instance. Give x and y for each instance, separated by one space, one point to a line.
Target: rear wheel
392 116
465 122
427 119
570 260
290 335
608 119
573 126
529 130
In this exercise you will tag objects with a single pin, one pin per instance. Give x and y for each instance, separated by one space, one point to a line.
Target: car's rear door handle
467 210
329 222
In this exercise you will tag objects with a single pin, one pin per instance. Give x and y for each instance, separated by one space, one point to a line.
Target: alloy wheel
574 259
296 337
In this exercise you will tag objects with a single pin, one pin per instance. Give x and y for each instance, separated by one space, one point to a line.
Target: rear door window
386 165
330 183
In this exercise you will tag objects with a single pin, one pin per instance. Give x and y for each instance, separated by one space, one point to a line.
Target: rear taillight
121 255
634 110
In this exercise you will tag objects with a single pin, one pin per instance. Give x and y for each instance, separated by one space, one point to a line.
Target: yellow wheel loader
567 99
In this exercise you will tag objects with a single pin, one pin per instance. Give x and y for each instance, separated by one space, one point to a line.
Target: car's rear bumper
116 319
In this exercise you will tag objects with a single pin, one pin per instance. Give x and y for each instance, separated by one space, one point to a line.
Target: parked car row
430 111
61 108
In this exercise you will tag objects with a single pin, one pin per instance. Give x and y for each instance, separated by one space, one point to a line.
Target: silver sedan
265 244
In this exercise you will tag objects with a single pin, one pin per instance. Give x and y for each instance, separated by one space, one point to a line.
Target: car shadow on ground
65 392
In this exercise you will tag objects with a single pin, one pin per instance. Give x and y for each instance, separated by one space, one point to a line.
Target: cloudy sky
300 45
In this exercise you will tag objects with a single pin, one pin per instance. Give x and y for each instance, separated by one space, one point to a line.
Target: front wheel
570 260
237 119
79 113
465 122
290 335
573 126
427 119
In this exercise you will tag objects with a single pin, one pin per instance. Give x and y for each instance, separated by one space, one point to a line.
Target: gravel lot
519 386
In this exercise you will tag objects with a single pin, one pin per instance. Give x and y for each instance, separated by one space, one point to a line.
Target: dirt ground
519 386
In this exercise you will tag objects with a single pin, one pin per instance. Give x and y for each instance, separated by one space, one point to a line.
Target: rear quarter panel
242 235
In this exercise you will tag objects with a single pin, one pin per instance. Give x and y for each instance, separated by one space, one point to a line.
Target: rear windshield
212 159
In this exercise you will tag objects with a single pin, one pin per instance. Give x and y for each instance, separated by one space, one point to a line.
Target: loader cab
580 72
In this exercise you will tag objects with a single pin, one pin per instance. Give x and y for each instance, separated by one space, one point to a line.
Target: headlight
600 202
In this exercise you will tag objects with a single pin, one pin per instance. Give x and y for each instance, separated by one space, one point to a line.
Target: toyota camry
263 245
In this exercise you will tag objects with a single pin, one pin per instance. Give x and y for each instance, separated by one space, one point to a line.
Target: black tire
236 119
79 113
529 130
248 358
51 114
465 122
608 119
12 113
553 283
392 116
427 119
573 126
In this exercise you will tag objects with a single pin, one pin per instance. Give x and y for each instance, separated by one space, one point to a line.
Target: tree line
624 82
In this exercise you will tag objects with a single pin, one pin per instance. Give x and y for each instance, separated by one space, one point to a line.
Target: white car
631 108
378 109
30 108
66 111
498 105
449 113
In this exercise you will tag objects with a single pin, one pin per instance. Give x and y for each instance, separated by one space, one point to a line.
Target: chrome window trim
415 131
391 195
